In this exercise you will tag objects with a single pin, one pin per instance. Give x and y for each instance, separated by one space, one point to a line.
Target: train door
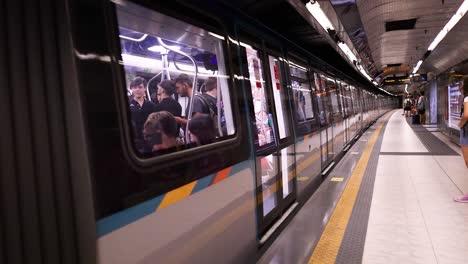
344 110
326 121
271 128
336 117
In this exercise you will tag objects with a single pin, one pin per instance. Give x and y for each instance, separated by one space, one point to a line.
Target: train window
301 92
279 96
332 89
321 98
268 166
263 116
176 79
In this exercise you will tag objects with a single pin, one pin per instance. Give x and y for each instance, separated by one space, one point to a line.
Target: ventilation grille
400 24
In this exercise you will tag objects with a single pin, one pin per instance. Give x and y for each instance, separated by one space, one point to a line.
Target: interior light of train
161 49
233 40
137 61
134 39
216 35
417 66
450 24
297 66
319 15
245 45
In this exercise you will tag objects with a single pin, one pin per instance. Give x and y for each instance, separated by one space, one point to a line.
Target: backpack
213 112
422 105
408 103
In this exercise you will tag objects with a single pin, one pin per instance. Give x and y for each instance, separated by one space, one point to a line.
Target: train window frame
285 104
295 62
170 159
248 41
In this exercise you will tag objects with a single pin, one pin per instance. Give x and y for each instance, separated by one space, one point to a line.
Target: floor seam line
425 222
440 166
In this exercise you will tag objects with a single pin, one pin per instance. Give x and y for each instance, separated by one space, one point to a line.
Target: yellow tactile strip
330 241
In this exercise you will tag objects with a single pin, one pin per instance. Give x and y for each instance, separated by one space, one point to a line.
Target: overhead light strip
319 15
450 24
445 30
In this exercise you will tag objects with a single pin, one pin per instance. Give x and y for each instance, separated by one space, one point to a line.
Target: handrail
194 85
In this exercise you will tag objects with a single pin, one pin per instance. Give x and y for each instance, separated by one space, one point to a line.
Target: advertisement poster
455 100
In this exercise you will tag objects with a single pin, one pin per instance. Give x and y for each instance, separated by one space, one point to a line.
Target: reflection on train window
301 93
279 96
263 117
321 98
333 97
287 168
269 170
177 85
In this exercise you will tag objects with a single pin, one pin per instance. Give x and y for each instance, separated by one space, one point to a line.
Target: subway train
92 173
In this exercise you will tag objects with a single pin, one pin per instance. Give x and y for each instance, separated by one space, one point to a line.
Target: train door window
321 98
263 117
333 94
279 95
301 92
176 81
287 167
268 170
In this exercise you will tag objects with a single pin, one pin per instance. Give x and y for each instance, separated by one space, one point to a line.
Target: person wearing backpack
407 108
422 108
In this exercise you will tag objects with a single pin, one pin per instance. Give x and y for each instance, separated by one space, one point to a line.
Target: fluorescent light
161 49
134 39
319 15
216 35
417 66
155 64
450 24
347 51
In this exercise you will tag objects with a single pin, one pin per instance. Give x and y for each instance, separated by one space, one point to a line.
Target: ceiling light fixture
417 66
450 24
319 15
161 49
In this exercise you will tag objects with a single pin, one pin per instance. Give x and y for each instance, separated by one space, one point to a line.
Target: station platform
389 200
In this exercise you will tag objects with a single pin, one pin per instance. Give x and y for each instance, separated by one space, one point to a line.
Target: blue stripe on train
123 218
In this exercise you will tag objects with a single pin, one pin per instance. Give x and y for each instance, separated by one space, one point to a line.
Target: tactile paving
435 146
352 246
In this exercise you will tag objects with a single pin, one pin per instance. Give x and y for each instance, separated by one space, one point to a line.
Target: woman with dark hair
201 129
464 130
164 94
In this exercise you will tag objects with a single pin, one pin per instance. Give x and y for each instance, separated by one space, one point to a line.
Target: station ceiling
385 33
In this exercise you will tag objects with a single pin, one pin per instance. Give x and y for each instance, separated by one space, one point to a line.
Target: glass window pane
263 117
331 85
279 96
268 169
166 76
301 93
287 168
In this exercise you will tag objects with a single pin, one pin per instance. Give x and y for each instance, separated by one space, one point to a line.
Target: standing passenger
464 131
422 108
164 93
140 107
161 132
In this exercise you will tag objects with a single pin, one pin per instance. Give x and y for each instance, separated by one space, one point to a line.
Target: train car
162 131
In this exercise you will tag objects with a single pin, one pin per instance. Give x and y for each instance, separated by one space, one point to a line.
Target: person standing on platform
422 108
464 131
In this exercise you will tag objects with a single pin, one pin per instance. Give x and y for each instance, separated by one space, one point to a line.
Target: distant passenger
407 107
202 130
165 91
161 131
140 107
463 125
422 108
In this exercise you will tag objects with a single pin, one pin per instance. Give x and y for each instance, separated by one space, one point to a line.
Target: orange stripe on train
222 174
